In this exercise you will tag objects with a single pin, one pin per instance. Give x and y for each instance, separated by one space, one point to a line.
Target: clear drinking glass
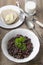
30 7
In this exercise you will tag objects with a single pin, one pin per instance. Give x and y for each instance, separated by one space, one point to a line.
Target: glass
30 7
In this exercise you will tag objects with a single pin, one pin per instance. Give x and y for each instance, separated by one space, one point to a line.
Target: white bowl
24 32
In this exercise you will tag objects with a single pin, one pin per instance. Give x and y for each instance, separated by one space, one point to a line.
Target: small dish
18 23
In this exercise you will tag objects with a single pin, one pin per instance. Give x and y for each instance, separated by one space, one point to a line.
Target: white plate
24 32
18 23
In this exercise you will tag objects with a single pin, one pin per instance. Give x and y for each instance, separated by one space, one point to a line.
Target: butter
9 17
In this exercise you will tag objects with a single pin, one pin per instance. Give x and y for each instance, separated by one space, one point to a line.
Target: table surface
38 60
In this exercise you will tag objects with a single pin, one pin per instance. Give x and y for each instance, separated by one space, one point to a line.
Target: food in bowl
19 46
9 16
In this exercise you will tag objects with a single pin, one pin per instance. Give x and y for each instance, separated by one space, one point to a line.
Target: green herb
23 47
19 42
